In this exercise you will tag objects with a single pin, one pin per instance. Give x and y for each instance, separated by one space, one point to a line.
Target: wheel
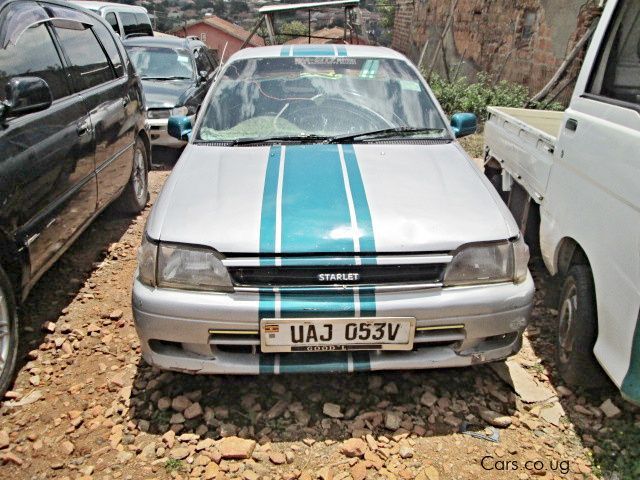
8 333
136 194
578 330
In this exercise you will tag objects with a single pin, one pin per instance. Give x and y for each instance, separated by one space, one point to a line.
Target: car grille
316 276
155 113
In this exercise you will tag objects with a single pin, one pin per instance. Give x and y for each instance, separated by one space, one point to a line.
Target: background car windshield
154 62
326 96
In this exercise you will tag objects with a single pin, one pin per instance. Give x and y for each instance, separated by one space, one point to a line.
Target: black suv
72 138
176 75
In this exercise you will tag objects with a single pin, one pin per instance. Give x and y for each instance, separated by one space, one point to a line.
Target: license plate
336 334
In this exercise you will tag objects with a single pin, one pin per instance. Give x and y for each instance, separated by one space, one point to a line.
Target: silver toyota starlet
323 217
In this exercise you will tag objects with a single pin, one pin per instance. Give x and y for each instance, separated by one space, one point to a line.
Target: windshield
161 63
319 97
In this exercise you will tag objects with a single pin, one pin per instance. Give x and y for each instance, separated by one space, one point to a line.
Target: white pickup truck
577 174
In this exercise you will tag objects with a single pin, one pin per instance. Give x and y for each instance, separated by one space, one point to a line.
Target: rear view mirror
464 124
179 127
25 95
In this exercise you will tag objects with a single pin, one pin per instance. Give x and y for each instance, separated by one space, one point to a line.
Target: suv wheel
578 330
136 193
8 333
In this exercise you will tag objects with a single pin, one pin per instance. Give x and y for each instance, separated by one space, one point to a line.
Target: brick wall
522 41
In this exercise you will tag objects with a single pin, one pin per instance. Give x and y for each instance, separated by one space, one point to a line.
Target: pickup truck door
597 178
48 181
98 73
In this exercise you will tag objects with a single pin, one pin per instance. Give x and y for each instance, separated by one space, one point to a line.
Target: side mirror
203 75
180 127
464 124
26 95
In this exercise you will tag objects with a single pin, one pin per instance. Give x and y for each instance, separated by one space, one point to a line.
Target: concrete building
522 41
218 33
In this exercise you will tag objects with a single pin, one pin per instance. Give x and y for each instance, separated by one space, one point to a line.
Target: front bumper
159 134
174 326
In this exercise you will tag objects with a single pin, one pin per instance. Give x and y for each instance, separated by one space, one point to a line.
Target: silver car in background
323 217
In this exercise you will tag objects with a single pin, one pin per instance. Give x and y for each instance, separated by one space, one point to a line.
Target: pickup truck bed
523 141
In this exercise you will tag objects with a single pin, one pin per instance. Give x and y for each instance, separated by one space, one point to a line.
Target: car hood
165 93
329 199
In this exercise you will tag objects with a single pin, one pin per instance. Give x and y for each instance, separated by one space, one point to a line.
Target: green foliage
388 12
173 465
464 96
291 30
619 451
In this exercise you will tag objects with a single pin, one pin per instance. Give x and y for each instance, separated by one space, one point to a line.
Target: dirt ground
85 405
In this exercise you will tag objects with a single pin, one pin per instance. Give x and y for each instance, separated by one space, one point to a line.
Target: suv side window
89 65
33 55
202 62
113 21
110 47
135 23
617 76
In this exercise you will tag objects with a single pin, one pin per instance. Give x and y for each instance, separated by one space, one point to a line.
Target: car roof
170 42
96 6
316 50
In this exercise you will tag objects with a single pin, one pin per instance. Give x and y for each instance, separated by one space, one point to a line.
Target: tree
388 12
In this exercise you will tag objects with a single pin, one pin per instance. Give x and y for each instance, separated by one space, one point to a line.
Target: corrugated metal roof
305 6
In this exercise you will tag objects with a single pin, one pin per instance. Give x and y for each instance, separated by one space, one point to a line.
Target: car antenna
223 51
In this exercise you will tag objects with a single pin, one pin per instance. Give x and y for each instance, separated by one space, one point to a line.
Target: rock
583 410
192 411
278 409
169 438
405 452
250 475
428 399
332 410
428 473
390 388
28 399
353 447
11 457
164 403
148 451
609 409
124 457
494 418
67 447
115 315
563 391
202 460
552 413
176 418
392 421
234 448
180 403
277 458
49 327
211 471
179 453
359 471
522 382
4 439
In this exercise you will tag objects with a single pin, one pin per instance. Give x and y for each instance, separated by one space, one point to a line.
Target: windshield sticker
325 61
369 69
410 85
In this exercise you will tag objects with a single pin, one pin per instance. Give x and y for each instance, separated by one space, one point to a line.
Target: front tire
578 330
136 194
8 333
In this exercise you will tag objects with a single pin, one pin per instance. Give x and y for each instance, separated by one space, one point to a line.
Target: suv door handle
572 124
83 128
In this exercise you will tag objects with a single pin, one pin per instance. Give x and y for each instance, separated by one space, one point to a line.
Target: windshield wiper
165 78
304 138
385 133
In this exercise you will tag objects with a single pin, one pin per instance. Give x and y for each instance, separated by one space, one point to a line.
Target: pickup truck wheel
136 193
578 330
8 333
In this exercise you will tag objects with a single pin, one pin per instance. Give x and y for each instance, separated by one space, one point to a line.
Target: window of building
203 36
89 65
33 55
529 21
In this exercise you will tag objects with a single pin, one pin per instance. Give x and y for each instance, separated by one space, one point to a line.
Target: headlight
147 254
191 268
180 111
489 263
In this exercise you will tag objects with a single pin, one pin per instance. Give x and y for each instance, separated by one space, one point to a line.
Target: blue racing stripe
342 50
285 51
313 51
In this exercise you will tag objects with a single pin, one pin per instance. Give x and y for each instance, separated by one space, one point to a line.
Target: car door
597 161
48 182
99 74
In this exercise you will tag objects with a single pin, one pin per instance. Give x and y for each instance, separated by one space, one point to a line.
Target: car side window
89 65
113 21
213 58
110 47
35 55
135 23
618 73
202 62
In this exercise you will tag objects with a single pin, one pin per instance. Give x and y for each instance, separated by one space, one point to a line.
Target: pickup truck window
319 97
617 75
